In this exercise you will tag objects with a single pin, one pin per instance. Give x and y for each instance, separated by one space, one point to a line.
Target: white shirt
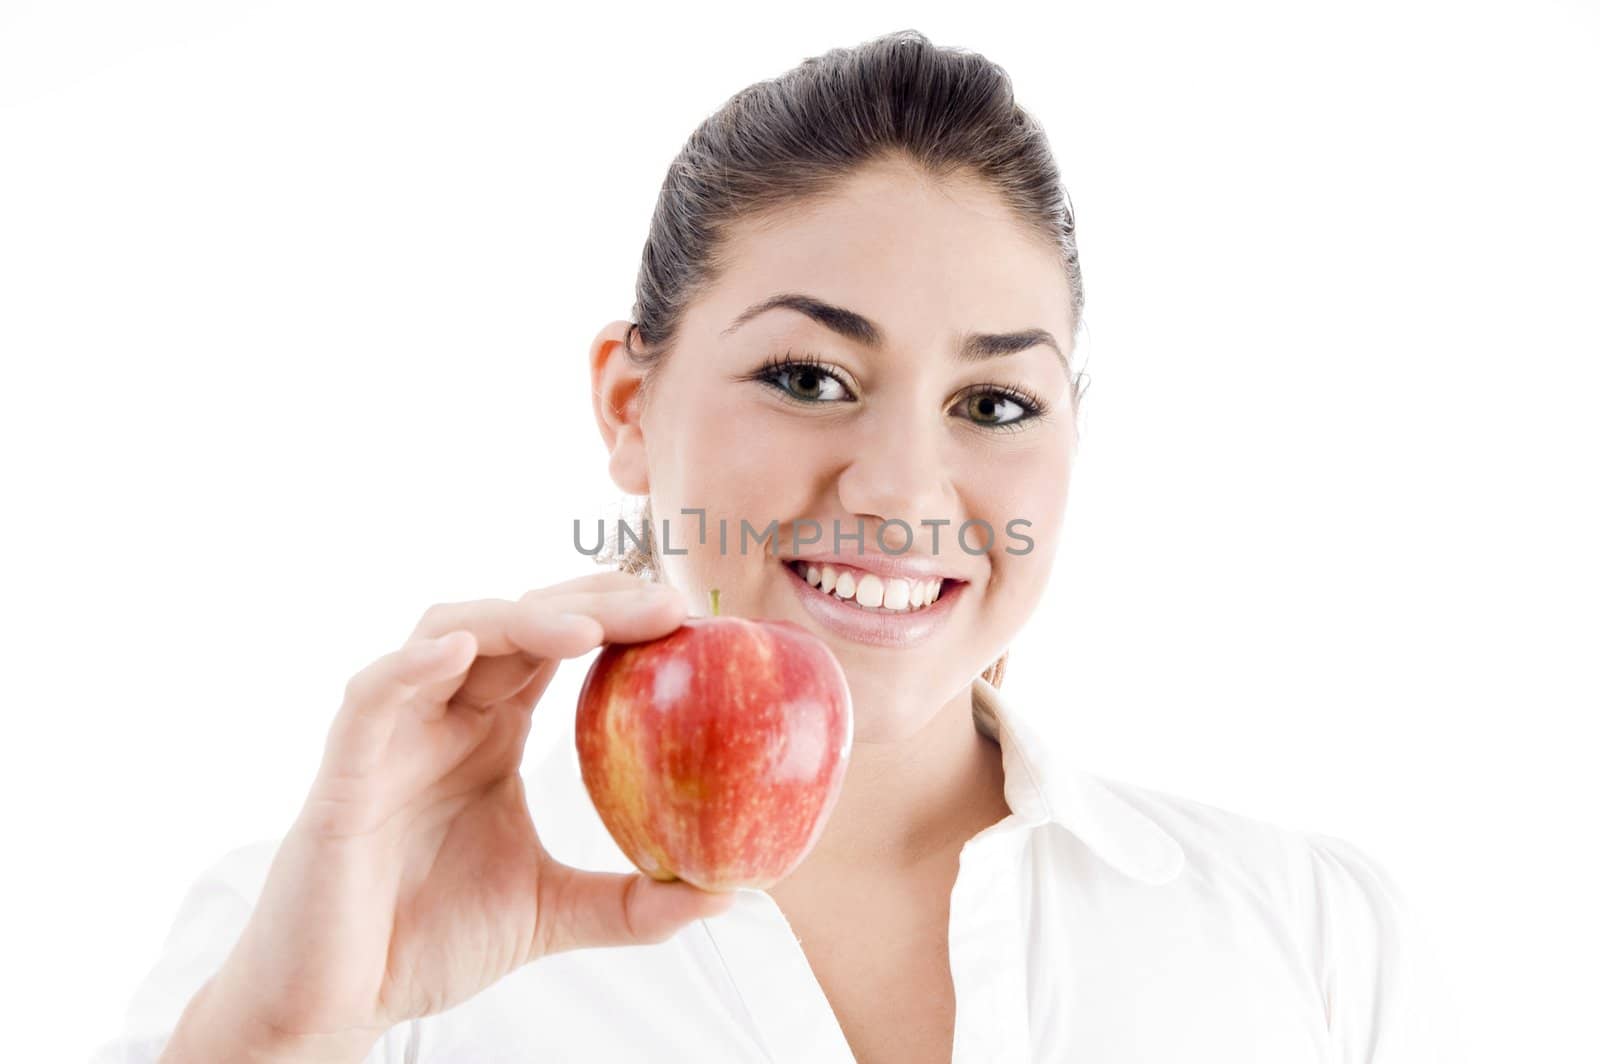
1100 922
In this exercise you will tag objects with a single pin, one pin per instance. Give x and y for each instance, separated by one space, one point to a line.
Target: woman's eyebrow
974 347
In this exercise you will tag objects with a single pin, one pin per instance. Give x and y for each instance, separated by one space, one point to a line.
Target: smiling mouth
869 591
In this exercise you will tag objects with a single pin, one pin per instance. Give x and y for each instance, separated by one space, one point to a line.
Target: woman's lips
876 627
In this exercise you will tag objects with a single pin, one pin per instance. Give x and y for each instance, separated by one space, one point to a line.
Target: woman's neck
909 800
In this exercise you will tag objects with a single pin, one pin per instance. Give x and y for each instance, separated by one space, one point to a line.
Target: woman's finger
365 721
622 616
441 617
569 625
543 632
561 626
488 651
580 909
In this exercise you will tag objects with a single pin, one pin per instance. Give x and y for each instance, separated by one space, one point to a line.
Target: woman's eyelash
789 362
1032 405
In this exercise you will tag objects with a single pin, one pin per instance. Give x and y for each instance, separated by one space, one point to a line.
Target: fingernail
440 642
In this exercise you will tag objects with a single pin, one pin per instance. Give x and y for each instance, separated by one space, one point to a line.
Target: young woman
856 310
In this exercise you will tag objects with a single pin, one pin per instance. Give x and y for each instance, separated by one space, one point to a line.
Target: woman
857 304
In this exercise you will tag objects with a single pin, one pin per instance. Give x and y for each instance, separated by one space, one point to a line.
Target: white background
295 301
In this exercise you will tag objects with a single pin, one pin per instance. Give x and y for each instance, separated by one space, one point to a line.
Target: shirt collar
1041 787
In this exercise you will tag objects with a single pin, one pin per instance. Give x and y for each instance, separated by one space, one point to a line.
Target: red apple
715 753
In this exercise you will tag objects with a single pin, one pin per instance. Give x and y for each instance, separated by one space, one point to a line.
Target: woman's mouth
873 608
870 591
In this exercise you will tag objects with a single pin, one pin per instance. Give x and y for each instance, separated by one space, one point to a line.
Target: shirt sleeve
210 919
1386 999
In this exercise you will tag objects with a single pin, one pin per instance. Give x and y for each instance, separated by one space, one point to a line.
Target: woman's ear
615 382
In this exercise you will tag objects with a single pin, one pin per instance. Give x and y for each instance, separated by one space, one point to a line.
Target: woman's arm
212 1029
413 876
176 1013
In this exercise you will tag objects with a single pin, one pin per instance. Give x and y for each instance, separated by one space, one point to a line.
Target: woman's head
888 205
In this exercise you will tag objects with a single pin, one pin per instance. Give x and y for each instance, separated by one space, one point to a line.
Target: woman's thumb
616 909
657 910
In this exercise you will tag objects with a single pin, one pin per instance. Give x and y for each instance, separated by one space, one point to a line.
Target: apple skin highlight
716 753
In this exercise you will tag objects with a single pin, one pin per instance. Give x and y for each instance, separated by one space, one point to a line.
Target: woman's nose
897 470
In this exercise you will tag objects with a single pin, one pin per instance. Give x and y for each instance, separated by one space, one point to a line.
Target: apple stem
715 595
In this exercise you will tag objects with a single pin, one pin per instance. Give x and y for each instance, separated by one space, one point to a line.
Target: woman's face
884 418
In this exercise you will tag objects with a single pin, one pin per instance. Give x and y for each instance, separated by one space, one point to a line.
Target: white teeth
896 594
870 591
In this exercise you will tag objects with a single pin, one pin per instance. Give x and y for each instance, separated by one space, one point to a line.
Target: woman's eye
992 408
808 383
804 380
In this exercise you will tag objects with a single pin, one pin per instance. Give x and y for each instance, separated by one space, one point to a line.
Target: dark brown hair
791 138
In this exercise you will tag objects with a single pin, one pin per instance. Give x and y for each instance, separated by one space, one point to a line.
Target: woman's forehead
882 212
898 250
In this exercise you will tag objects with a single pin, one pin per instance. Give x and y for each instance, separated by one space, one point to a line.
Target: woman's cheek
1024 500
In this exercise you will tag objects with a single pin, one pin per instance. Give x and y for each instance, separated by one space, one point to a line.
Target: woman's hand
413 877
